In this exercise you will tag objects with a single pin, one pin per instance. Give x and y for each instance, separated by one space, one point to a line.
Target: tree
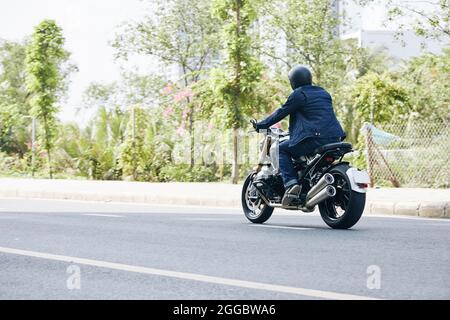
130 89
230 93
362 62
135 156
426 80
14 98
429 19
44 57
100 95
113 125
378 99
308 30
180 33
94 150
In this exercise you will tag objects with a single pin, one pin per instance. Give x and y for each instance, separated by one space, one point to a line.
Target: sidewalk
408 201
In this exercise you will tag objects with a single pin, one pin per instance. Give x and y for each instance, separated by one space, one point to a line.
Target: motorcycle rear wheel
345 209
256 211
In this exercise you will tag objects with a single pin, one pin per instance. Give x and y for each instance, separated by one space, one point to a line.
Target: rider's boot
291 194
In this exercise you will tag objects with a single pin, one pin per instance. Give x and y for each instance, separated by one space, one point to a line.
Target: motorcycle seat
344 146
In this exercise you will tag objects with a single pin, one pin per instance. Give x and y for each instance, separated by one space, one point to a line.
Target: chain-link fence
408 154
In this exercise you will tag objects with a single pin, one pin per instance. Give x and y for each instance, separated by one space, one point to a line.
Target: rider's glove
254 124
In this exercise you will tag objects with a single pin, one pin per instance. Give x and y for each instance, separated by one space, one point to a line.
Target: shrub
183 173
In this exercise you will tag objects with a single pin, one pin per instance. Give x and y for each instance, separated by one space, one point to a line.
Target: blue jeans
303 148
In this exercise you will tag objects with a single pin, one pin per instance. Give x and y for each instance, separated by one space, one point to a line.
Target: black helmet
300 76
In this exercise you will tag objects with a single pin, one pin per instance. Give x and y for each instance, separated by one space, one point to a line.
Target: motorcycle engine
269 184
265 173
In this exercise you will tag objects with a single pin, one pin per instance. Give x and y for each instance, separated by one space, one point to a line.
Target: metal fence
408 154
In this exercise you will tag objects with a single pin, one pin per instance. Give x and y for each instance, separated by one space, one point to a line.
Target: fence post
370 157
371 150
392 176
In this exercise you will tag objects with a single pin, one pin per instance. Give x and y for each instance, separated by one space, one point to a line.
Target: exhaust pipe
327 192
320 185
321 191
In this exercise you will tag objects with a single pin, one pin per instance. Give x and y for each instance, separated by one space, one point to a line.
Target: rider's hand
254 124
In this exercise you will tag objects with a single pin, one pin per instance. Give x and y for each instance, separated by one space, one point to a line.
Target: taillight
362 185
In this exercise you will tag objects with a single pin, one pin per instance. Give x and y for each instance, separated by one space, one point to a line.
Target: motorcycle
325 180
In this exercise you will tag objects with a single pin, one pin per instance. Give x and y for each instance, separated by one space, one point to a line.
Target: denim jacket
311 115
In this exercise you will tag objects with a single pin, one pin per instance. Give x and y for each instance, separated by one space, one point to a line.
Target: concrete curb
122 197
434 209
211 195
429 210
419 209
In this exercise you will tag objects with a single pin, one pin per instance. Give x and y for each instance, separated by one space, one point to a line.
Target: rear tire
256 211
345 209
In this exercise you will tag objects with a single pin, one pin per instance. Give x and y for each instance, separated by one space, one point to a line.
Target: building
367 26
406 46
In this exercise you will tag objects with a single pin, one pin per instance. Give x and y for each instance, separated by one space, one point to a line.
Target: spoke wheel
345 209
255 209
339 204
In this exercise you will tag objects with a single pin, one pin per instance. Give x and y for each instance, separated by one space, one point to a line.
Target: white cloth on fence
379 136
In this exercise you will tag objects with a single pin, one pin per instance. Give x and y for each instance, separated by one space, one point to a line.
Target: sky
88 26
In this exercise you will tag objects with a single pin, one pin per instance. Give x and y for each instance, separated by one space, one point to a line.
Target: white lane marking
189 276
278 227
102 215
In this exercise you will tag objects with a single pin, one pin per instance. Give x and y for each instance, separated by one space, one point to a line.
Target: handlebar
273 130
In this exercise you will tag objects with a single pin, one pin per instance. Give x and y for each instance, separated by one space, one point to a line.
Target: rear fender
359 180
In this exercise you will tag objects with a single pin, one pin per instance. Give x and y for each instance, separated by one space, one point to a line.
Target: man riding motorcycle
312 123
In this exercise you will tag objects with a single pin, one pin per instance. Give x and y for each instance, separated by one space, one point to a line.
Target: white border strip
279 227
234 210
102 215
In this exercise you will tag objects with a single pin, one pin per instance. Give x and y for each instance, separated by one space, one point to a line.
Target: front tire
345 209
255 209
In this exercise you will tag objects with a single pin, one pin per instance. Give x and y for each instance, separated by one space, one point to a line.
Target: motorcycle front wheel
345 209
255 209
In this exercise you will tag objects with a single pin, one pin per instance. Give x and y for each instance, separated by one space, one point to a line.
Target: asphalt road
133 251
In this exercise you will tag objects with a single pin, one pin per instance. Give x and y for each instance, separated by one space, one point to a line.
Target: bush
12 164
183 173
